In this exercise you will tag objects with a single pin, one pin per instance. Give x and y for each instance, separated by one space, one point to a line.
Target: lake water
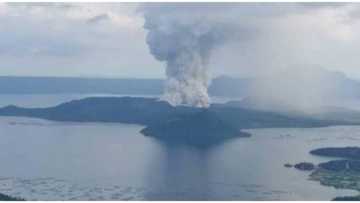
45 160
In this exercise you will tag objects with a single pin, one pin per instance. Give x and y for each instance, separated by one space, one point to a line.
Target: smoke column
185 35
184 39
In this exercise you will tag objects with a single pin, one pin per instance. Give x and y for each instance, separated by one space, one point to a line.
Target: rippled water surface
44 160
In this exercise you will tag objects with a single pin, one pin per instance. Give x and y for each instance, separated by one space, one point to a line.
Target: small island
162 121
343 173
305 166
194 129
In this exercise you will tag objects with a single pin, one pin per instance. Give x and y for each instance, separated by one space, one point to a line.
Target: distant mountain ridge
64 85
221 86
333 113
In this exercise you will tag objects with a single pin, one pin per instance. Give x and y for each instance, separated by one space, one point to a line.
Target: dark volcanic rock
341 165
195 128
342 152
305 166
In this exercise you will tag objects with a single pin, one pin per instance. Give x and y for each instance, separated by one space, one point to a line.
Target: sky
109 40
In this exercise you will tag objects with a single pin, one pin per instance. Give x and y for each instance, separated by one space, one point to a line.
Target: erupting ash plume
184 37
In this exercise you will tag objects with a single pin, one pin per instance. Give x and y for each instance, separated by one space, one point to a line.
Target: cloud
279 43
294 34
57 39
272 35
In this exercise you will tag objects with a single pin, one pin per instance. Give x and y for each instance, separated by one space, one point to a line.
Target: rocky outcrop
199 128
4 197
305 166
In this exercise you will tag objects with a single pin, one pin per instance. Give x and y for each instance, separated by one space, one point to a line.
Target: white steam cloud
184 38
302 89
264 38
